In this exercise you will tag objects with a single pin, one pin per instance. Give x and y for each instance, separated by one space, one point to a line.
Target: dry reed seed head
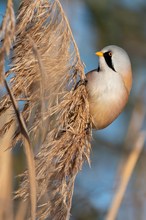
27 68
7 35
46 66
63 158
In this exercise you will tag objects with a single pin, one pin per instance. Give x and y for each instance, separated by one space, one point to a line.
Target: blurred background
96 24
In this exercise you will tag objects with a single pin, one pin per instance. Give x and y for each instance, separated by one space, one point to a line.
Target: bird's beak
99 53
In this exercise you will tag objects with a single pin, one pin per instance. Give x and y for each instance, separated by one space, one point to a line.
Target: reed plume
48 81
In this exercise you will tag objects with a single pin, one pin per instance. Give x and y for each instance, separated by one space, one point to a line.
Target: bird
109 86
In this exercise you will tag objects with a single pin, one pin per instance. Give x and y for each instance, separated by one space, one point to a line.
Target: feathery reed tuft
48 76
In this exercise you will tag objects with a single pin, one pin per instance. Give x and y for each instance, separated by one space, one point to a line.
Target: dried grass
49 76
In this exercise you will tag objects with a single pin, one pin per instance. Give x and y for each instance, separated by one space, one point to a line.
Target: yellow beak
99 53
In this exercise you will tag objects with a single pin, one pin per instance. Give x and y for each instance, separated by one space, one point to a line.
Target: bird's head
116 59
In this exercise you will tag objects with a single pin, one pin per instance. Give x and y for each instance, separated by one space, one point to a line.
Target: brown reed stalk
49 76
127 172
6 171
7 35
22 210
28 151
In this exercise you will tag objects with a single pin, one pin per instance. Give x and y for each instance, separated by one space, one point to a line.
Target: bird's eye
110 53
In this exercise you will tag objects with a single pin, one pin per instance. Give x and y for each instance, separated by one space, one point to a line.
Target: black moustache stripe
108 60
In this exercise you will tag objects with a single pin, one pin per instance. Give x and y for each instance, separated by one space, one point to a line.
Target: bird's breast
104 112
106 101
